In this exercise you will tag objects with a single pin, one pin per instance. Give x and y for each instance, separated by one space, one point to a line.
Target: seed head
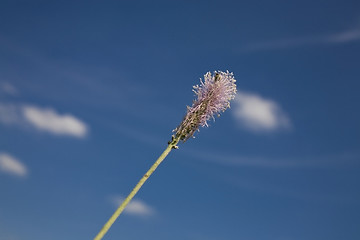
213 97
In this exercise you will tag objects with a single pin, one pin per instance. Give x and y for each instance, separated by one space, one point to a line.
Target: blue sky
90 92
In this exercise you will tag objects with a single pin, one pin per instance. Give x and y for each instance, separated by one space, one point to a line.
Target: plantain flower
213 97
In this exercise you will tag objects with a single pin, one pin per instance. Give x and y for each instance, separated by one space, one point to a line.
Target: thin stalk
121 208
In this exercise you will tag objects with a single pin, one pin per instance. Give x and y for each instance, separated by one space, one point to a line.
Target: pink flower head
213 97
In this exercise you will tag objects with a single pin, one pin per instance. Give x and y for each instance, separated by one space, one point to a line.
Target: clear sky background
91 90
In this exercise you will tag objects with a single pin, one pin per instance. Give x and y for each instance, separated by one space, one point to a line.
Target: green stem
121 208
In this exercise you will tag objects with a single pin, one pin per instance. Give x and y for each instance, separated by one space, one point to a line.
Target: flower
213 97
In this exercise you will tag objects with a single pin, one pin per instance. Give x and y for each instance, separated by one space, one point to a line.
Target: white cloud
44 119
10 164
49 120
135 207
257 113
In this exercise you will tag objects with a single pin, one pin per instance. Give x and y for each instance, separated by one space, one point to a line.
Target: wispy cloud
91 80
254 183
276 163
8 88
351 35
257 113
9 114
11 165
136 207
43 119
266 187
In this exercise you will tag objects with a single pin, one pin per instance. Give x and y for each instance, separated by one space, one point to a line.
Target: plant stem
121 208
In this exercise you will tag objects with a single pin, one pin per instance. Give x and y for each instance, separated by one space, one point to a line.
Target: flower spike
213 97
